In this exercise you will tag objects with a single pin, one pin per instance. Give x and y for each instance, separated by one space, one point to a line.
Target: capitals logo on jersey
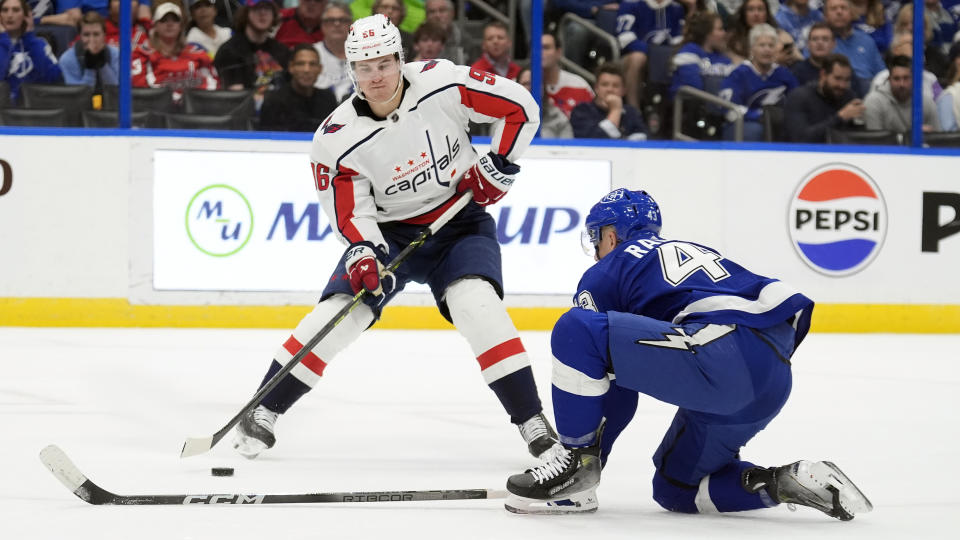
429 65
331 128
431 164
837 220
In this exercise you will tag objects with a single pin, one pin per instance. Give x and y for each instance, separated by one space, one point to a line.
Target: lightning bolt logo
683 342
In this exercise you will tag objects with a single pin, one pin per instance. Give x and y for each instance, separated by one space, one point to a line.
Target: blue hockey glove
489 179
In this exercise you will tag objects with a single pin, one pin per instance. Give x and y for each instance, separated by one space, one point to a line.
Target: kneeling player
676 321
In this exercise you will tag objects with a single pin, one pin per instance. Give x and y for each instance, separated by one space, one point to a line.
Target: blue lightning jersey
682 282
641 23
747 87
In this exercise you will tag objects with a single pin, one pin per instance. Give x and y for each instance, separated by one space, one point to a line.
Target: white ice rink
408 410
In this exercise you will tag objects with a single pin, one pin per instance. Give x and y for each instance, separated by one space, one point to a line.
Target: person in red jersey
168 60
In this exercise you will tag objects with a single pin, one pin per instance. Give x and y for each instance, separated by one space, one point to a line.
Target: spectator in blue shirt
640 24
857 46
757 82
701 54
944 24
91 61
24 57
608 116
870 18
796 18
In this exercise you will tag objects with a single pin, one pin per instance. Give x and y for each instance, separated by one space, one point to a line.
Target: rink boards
211 232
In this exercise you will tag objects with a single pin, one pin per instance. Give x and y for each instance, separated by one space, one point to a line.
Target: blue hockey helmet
629 212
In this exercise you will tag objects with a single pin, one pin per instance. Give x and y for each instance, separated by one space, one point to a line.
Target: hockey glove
489 179
362 261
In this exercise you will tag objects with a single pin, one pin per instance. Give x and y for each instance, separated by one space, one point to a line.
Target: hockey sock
580 381
307 373
480 316
718 492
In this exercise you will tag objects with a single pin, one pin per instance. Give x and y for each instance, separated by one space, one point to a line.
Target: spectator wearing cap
428 42
24 57
396 11
608 116
828 103
298 105
203 31
496 51
251 59
140 33
91 61
301 24
336 20
948 104
167 60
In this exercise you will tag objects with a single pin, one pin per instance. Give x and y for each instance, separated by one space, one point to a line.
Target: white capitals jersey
406 167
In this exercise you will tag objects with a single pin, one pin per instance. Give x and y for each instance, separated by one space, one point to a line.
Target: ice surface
409 410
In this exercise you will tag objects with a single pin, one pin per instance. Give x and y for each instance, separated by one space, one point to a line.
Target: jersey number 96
321 176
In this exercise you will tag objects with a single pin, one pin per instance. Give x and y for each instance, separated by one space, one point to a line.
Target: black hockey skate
821 485
566 483
255 432
538 434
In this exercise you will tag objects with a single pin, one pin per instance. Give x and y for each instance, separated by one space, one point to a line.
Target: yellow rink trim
117 312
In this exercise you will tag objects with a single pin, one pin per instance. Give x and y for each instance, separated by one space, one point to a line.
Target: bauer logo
219 220
837 220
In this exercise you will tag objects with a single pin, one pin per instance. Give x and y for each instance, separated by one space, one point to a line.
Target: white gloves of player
489 179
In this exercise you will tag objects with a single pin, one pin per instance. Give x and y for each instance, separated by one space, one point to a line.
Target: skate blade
248 447
578 504
850 497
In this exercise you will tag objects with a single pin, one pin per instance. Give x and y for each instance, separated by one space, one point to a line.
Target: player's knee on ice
579 340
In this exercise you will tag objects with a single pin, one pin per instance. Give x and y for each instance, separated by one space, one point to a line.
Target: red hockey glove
362 261
489 179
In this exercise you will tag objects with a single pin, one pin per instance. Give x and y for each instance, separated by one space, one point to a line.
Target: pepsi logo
837 220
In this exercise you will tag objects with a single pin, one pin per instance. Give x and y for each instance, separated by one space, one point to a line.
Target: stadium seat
4 95
204 121
942 139
866 136
773 124
72 98
110 119
144 99
34 117
219 102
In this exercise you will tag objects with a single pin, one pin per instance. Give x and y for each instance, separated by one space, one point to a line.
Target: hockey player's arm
512 109
347 199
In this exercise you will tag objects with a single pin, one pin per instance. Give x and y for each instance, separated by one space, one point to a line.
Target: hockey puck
222 471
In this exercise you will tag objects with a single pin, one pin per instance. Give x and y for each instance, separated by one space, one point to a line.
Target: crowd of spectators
791 70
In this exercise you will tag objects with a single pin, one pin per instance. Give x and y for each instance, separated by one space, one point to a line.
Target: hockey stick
197 445
69 475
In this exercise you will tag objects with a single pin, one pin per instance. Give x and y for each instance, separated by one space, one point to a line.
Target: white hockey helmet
371 37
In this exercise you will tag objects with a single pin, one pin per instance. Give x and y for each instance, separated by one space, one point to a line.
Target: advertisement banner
251 221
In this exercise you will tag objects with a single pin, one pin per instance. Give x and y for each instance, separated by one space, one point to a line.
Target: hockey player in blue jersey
679 322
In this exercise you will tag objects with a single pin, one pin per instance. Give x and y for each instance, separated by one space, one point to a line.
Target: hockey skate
821 485
566 483
538 434
255 432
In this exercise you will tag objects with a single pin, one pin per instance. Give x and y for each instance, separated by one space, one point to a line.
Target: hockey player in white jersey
386 162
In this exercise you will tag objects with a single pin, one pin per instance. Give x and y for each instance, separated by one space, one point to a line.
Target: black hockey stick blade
60 465
198 445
